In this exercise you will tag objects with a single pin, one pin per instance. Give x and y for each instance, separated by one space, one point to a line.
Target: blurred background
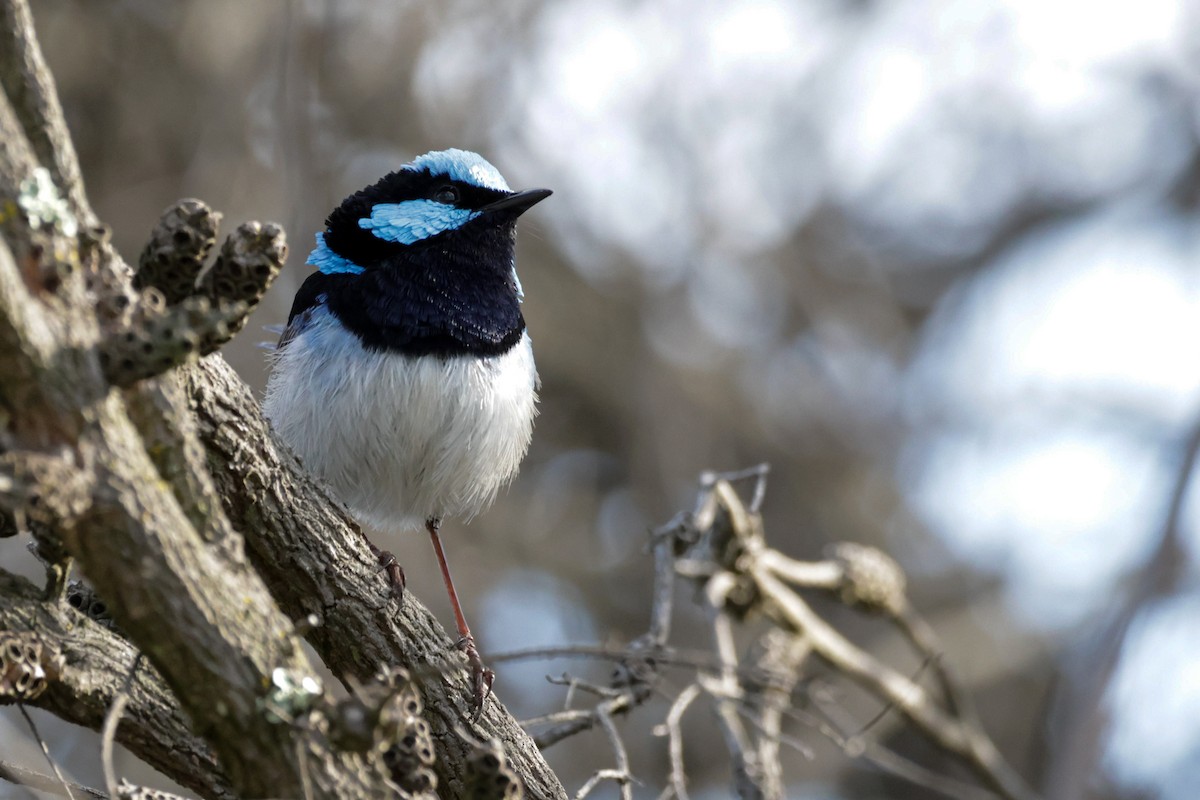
938 263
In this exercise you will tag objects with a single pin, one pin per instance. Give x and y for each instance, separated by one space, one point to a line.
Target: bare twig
673 731
891 762
664 540
782 656
620 775
108 732
778 738
953 735
45 751
44 783
826 575
925 642
887 708
573 721
563 715
758 472
601 775
575 685
731 539
859 749
721 545
671 658
727 692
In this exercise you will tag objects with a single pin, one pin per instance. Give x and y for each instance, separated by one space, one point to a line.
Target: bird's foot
395 572
482 678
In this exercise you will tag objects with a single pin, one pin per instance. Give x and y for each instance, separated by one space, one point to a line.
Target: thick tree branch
199 612
29 87
96 662
317 562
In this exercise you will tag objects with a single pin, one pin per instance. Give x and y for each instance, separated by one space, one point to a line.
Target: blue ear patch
414 220
461 165
330 262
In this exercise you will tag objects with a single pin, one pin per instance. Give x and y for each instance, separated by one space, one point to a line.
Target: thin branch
107 734
620 774
563 715
721 545
601 775
109 730
758 473
776 736
782 657
887 708
45 783
45 751
890 762
1084 724
827 575
671 658
573 721
674 732
925 641
575 685
911 700
732 540
625 777
726 691
664 540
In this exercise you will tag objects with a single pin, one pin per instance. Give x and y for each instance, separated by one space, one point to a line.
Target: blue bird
405 377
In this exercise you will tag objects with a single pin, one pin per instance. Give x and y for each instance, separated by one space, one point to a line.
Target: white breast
401 438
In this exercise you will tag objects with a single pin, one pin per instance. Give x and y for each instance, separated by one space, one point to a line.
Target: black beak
518 202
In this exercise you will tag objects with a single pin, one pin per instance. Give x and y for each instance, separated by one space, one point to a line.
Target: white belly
399 438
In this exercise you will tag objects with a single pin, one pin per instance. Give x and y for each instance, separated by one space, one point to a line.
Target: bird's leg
481 676
389 564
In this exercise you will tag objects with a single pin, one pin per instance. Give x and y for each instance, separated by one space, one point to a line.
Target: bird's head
452 200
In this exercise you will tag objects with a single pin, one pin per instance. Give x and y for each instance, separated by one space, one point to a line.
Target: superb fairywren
405 377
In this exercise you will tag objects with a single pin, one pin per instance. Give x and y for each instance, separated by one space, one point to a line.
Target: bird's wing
295 328
277 330
313 294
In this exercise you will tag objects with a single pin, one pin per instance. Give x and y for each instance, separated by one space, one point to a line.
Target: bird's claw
482 678
395 572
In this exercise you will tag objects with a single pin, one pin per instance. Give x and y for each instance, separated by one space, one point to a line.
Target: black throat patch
452 294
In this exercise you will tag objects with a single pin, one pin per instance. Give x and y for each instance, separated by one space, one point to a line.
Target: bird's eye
447 195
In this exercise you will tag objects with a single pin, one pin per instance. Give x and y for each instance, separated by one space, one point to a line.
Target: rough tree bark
125 448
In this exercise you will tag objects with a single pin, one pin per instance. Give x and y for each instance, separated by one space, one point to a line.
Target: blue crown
408 221
460 165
